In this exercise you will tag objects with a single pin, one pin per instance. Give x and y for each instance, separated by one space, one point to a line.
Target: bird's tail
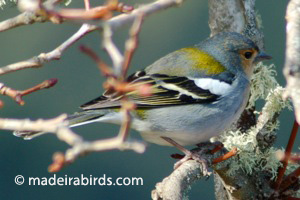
76 119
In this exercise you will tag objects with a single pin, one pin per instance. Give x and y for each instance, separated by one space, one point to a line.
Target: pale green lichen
275 101
274 104
251 158
263 80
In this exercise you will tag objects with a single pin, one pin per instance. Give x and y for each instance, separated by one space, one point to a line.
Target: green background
80 81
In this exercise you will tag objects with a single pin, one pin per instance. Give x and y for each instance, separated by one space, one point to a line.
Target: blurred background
80 81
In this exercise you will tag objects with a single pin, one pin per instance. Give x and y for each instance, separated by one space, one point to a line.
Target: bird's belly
185 130
196 126
183 138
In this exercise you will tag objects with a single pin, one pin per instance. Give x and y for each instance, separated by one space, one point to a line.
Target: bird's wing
166 91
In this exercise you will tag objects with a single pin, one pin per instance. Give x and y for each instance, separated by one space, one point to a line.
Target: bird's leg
195 154
214 146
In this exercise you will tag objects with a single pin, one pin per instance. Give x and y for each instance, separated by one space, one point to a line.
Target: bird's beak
262 56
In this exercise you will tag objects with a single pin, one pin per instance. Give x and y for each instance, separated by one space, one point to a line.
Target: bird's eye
248 54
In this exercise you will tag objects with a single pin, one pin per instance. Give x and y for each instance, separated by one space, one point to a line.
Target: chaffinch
197 92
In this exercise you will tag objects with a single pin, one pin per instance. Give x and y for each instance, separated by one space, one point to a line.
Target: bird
197 92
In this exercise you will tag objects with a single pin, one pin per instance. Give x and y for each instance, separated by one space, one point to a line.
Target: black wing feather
162 95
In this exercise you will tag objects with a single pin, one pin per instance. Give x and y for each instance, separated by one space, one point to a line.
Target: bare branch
87 4
292 60
40 60
24 18
28 125
80 147
290 179
114 53
100 12
59 126
145 10
17 95
288 152
103 67
110 26
175 185
132 43
235 16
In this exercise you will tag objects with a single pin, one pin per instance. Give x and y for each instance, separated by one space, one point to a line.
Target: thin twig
40 60
295 158
228 155
28 125
146 10
132 43
17 95
80 147
87 4
290 179
114 53
292 198
100 12
112 24
288 151
103 67
126 108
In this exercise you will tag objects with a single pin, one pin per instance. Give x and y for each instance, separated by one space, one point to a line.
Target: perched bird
197 92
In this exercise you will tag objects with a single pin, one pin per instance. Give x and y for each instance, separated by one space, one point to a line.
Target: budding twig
100 12
40 60
132 43
116 84
17 95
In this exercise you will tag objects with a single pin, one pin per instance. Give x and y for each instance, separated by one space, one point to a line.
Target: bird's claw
195 154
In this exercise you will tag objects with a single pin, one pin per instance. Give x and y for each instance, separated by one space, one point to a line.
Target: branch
145 10
235 16
28 125
59 126
273 106
78 145
178 183
287 156
17 95
175 185
292 55
132 43
29 16
40 60
113 24
24 18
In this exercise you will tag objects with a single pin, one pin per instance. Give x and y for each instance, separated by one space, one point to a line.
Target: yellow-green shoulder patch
141 113
203 61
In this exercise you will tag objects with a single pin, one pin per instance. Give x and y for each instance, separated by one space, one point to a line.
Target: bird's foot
195 154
